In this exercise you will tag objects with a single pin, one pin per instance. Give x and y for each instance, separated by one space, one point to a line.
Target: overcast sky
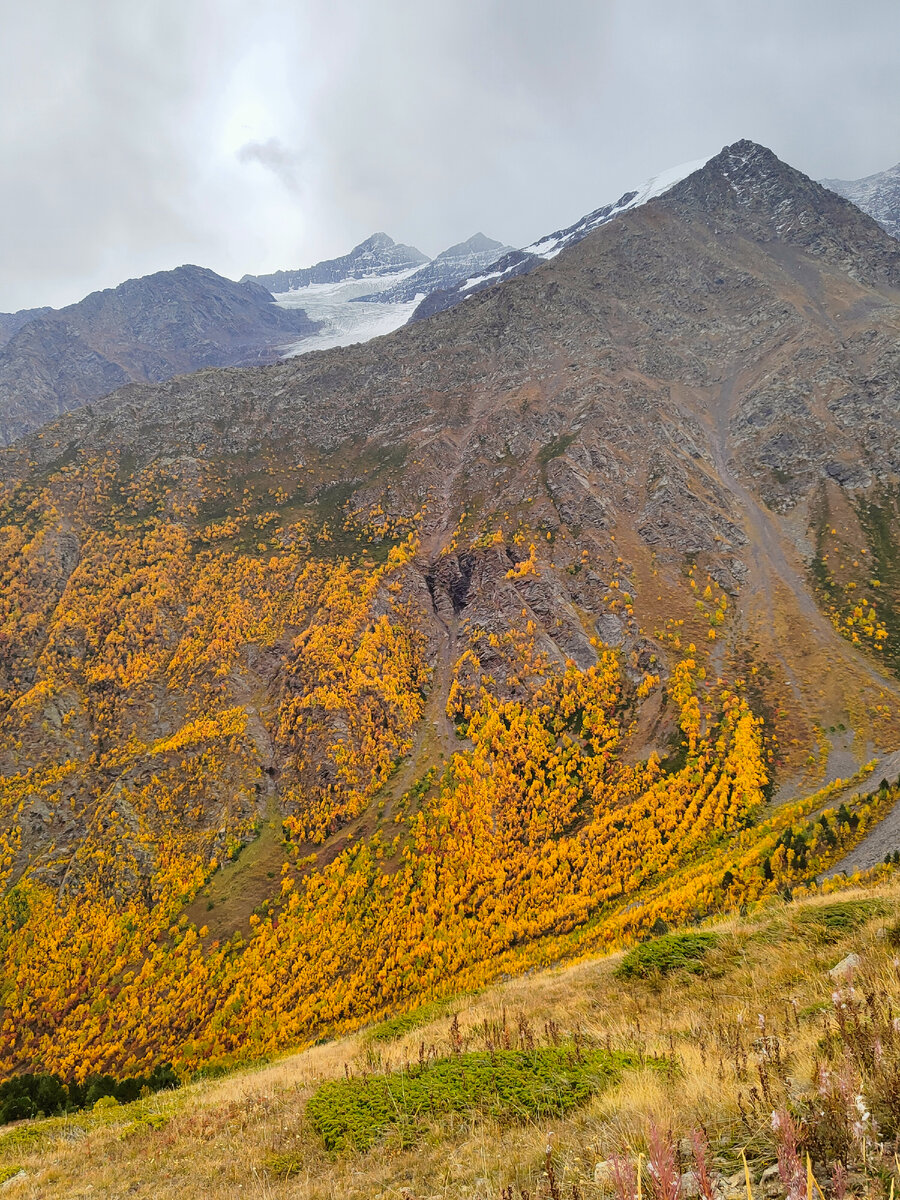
248 135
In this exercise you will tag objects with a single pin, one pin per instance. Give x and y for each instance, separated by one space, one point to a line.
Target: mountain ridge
878 195
167 323
377 255
444 270
519 262
497 625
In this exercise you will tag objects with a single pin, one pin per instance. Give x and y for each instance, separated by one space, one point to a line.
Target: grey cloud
130 134
275 157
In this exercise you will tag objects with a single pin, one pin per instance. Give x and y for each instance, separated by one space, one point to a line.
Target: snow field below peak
345 323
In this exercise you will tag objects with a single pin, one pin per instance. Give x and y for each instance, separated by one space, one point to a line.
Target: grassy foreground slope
709 1029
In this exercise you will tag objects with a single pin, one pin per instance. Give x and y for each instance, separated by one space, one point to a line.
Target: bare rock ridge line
145 330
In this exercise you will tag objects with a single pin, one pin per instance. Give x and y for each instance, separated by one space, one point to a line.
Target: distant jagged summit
377 255
373 289
478 243
445 271
878 195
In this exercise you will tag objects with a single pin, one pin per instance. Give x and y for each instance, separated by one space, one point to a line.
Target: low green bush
663 955
831 922
520 1085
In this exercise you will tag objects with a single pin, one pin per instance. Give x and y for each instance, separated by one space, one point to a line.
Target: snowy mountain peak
378 241
476 244
378 255
878 195
365 305
445 271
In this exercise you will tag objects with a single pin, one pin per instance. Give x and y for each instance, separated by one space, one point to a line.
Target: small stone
846 967
17 1178
769 1173
690 1185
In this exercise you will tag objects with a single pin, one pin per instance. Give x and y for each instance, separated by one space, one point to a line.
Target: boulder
847 967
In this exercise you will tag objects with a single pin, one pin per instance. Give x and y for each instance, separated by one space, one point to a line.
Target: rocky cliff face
10 323
146 330
46 369
878 195
377 255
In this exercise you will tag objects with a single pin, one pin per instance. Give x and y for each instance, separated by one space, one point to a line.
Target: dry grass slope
751 1023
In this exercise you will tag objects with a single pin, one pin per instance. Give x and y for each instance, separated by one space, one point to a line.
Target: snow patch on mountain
550 246
878 195
520 262
343 322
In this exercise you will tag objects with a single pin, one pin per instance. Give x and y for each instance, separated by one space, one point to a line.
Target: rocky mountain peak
747 176
748 190
145 329
377 255
378 241
476 244
878 195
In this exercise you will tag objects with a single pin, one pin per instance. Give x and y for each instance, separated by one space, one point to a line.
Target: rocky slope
378 255
10 323
700 381
878 195
511 263
354 612
145 330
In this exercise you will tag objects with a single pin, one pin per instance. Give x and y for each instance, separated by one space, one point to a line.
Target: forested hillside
334 685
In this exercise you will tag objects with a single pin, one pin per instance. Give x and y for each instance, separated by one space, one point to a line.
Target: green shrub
831 922
23 1096
27 1095
663 955
511 1084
